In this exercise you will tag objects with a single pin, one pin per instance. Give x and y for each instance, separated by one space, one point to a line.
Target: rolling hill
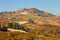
38 24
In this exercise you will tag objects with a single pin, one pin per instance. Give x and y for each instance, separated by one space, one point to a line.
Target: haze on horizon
52 6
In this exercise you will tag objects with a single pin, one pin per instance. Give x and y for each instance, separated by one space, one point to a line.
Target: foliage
31 21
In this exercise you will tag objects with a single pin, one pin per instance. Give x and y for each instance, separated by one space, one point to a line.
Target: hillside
24 13
38 24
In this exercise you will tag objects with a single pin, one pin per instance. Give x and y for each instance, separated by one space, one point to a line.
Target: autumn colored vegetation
40 26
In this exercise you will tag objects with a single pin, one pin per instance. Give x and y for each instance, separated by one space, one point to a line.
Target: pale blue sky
52 6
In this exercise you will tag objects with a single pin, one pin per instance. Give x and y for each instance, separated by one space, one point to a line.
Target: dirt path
22 22
16 30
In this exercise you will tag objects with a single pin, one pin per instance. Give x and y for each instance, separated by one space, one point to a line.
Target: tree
3 29
41 32
10 24
31 21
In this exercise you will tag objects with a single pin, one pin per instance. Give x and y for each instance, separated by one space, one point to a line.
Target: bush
3 29
31 21
13 25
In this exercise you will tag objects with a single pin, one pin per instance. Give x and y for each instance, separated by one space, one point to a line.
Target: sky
52 6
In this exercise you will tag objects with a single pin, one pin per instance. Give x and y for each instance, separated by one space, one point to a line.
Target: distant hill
24 14
31 23
31 11
35 11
